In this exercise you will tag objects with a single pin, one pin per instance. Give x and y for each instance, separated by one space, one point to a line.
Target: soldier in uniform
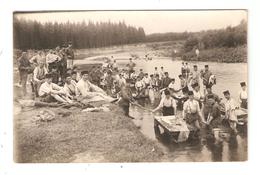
126 98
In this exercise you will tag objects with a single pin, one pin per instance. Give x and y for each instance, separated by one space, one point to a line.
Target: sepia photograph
130 86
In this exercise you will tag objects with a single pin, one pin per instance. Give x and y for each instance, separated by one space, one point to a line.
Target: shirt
84 87
191 106
165 82
70 89
46 88
39 73
162 74
23 64
195 75
156 72
167 102
121 82
230 105
146 80
131 65
126 96
139 84
206 75
50 58
243 95
197 95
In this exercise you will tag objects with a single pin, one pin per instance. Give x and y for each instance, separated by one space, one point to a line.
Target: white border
6 161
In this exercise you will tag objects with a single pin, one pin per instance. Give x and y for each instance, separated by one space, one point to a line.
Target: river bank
223 55
81 137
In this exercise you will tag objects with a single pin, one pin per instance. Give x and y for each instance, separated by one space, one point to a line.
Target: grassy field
81 137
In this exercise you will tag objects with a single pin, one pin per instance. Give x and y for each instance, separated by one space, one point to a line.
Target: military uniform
126 98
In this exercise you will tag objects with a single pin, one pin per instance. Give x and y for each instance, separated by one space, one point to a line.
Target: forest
30 34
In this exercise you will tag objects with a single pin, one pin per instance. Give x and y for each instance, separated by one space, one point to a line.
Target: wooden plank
173 123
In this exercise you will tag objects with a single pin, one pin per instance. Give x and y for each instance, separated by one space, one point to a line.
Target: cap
84 72
226 92
195 65
73 72
194 85
208 86
190 93
210 96
243 84
48 75
67 75
173 79
185 89
167 92
206 65
166 73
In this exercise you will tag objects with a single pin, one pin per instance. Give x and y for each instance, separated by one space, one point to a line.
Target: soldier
126 98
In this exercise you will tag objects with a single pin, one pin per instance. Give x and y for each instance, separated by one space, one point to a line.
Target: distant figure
141 74
243 95
161 73
197 52
156 71
70 55
130 66
114 65
187 70
183 69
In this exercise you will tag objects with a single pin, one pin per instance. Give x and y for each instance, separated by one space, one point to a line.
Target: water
229 76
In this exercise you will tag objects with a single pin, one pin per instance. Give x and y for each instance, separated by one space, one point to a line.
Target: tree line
30 34
228 37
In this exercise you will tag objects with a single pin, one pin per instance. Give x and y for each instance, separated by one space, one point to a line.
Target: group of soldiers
34 65
56 79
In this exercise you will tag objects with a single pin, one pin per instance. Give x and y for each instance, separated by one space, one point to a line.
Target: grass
227 55
108 134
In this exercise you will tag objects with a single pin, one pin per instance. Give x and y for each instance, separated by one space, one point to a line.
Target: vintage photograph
130 86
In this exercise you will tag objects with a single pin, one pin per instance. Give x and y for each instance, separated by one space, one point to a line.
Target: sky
151 21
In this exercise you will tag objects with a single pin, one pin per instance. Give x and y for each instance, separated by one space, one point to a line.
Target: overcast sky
151 21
